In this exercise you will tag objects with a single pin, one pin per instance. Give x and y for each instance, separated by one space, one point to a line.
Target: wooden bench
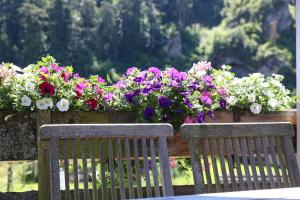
119 155
266 152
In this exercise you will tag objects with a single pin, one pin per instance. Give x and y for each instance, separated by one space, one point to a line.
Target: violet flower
149 113
206 98
201 117
120 84
164 102
223 104
211 114
109 96
130 70
187 102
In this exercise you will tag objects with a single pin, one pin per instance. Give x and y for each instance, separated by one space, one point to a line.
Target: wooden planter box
19 131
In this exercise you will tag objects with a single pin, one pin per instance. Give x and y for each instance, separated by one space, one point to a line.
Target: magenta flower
98 90
206 98
222 91
66 76
44 70
56 68
130 70
79 88
189 119
120 84
92 104
47 88
109 96
101 80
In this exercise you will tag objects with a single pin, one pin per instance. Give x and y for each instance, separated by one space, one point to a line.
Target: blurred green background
107 36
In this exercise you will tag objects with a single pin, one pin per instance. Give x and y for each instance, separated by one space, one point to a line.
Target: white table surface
283 193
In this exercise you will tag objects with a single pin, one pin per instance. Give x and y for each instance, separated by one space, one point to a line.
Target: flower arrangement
154 94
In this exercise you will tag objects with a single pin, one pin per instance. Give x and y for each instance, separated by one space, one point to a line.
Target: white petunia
25 101
63 105
29 87
255 108
231 100
273 103
44 104
251 98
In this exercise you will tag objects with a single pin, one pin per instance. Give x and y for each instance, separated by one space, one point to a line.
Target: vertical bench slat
252 163
102 169
275 162
196 166
206 164
220 147
55 186
85 170
260 162
214 163
244 152
235 146
129 169
165 167
75 169
137 168
66 167
93 162
291 161
154 168
120 168
267 161
229 153
112 169
146 168
282 162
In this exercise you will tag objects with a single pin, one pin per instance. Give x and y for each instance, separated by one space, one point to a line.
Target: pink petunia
92 104
44 70
101 80
189 119
47 88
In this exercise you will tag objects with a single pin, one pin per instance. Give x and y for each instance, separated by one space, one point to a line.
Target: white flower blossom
273 103
251 98
63 105
44 104
231 100
29 87
25 101
255 108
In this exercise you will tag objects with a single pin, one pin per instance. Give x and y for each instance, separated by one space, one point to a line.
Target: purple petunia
223 104
187 102
201 117
155 71
211 114
108 96
130 96
208 81
164 102
206 98
120 84
149 112
130 70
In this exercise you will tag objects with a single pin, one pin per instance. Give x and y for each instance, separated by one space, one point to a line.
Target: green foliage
107 36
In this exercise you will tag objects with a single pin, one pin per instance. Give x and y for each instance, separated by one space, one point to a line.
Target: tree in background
107 36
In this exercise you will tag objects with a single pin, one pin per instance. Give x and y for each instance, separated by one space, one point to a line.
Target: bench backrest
241 156
108 161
